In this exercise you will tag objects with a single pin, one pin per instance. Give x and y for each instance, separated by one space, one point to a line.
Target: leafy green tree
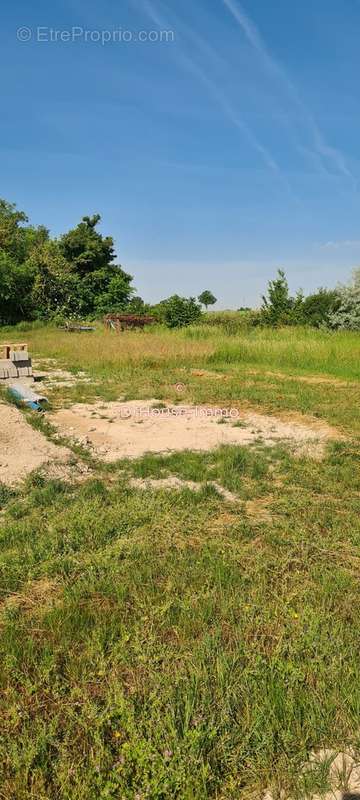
43 278
116 291
17 241
207 298
16 282
137 306
177 311
11 234
296 313
56 290
85 249
104 287
16 238
278 306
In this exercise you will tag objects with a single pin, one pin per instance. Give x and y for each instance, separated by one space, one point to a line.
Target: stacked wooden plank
15 361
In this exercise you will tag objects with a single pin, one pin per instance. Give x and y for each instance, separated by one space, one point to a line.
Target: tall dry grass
105 354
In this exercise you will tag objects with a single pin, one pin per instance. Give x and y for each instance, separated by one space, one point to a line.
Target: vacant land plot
184 624
133 428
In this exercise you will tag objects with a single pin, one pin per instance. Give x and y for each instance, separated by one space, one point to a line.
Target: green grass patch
177 648
170 644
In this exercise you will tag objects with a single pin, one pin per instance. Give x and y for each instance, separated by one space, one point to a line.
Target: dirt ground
130 429
118 430
23 449
49 376
342 771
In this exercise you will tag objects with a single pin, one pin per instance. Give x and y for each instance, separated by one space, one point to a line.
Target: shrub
279 308
177 311
347 315
317 308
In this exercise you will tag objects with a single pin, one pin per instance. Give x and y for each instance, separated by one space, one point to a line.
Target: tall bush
177 311
347 315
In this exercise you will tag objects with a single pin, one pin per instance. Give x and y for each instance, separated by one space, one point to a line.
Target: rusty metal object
122 322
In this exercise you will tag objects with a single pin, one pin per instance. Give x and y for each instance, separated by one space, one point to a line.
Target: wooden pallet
7 347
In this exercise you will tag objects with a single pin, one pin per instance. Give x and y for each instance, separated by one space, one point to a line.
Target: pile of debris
15 361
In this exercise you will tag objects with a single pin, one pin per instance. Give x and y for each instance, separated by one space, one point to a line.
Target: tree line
76 276
72 276
335 309
48 278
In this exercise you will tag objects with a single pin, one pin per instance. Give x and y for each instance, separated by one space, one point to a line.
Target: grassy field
159 645
299 370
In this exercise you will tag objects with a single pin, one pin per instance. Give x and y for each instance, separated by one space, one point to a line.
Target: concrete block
19 355
8 372
7 369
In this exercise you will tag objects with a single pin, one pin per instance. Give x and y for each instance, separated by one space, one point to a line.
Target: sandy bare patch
23 449
343 775
343 771
173 482
130 429
71 471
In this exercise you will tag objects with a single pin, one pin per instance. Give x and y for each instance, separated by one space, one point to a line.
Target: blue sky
213 159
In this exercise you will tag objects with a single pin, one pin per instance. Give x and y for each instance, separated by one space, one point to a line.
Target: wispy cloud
337 245
327 152
230 112
251 33
215 90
